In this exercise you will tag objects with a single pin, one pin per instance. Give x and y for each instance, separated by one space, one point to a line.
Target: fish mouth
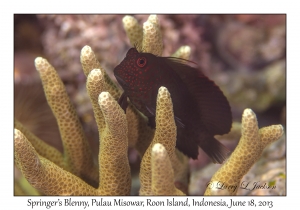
120 81
116 69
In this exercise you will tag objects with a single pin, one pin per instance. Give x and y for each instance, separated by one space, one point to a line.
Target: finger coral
77 153
41 147
43 174
248 151
152 39
162 176
133 30
114 168
151 174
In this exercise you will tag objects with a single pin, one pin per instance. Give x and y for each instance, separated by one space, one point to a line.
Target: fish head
137 71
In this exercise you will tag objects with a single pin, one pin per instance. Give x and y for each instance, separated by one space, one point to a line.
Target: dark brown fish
200 108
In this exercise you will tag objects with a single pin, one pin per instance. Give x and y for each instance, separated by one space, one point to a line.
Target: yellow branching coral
73 137
77 153
152 39
89 62
41 147
114 168
165 134
248 151
45 175
148 38
133 30
162 172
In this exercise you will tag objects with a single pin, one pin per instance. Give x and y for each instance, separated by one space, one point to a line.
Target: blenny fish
200 108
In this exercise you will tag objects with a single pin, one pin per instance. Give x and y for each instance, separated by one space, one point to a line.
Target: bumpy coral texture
114 167
248 151
133 30
162 172
140 135
152 40
77 153
41 147
165 134
43 174
51 179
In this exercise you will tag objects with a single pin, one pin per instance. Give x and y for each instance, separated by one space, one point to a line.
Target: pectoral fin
179 122
123 101
151 120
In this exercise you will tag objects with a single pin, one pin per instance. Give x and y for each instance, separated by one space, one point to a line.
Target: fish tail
215 150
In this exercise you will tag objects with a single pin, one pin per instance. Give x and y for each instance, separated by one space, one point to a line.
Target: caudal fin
217 152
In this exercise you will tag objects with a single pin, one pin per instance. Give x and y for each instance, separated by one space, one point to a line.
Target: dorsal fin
213 106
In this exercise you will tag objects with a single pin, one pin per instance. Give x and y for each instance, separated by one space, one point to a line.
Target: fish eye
141 62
